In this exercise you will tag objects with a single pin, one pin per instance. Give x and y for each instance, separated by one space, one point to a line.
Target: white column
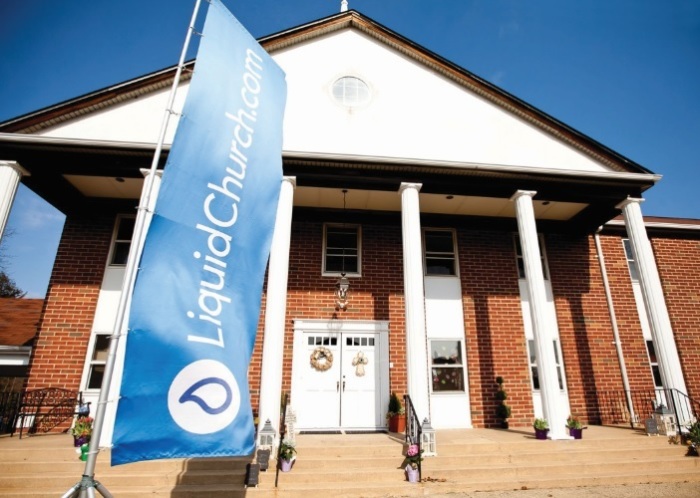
276 309
10 175
414 301
650 283
542 330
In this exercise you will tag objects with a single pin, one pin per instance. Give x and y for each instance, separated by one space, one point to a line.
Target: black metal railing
9 411
282 426
634 407
413 429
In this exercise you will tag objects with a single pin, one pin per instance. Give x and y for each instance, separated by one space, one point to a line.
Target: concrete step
363 465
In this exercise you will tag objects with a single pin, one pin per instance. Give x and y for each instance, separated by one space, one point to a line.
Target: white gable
413 112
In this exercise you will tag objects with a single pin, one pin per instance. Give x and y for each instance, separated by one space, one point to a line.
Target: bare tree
8 287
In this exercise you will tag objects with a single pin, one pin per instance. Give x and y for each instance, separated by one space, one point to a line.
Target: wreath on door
322 359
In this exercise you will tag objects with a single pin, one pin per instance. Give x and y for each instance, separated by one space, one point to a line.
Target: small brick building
481 238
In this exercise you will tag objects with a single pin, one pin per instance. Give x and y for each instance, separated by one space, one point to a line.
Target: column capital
292 180
520 193
406 186
15 166
628 201
147 171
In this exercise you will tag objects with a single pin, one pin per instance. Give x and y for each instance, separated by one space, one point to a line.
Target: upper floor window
631 262
121 243
439 252
341 249
521 262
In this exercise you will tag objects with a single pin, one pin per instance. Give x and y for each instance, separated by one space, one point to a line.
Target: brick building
481 238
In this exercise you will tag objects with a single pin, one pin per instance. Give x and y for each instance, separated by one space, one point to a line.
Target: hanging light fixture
343 284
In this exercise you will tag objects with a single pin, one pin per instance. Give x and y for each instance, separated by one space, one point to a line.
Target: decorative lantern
265 445
428 442
267 436
666 422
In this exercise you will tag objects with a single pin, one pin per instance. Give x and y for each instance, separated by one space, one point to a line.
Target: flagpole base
86 489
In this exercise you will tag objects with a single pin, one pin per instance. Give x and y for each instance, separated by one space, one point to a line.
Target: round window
350 91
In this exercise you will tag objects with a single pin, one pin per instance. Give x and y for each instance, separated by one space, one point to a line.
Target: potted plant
575 428
693 439
541 428
82 431
502 410
413 456
396 415
287 454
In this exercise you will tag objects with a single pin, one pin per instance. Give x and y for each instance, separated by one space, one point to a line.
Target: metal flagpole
87 485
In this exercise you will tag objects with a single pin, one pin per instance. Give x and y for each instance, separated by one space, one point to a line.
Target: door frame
299 358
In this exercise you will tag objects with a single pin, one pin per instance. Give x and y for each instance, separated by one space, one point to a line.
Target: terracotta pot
397 423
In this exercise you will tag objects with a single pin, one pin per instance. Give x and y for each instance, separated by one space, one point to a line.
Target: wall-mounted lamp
343 284
341 291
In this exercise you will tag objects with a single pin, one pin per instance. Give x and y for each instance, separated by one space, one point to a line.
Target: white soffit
373 200
107 186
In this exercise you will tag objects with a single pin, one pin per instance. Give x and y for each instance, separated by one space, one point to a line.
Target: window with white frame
440 254
98 361
341 249
521 262
631 262
654 363
534 373
447 365
123 231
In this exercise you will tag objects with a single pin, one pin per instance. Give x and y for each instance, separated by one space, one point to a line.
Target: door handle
343 386
337 386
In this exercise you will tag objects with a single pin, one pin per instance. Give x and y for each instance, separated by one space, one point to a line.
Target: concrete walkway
651 490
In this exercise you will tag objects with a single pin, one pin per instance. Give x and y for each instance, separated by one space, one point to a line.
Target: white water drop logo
204 397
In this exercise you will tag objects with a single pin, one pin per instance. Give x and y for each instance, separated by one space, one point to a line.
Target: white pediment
413 112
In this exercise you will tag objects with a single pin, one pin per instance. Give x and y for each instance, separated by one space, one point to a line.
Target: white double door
337 380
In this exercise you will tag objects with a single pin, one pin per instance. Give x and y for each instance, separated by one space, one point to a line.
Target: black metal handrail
614 406
413 429
283 423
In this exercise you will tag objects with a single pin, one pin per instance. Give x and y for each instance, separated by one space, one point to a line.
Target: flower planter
286 465
541 433
397 423
576 433
411 474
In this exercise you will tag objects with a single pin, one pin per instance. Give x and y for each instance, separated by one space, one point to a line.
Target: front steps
363 465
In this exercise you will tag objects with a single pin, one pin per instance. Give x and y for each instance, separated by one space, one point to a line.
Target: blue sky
624 72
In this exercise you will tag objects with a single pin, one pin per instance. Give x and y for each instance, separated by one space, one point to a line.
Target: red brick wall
493 327
679 268
585 328
630 330
377 295
494 336
61 345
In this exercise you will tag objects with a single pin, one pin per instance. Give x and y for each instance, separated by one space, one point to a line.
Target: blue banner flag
196 301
